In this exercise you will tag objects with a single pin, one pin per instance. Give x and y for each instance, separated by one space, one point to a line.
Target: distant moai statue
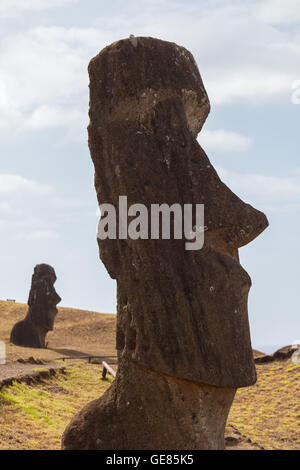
43 298
183 335
2 353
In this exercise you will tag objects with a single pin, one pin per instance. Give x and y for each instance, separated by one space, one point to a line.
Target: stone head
43 297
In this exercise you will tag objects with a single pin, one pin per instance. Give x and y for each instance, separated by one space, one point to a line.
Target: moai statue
43 298
182 323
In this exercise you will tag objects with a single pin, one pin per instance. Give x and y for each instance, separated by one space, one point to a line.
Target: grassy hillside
76 332
34 416
269 412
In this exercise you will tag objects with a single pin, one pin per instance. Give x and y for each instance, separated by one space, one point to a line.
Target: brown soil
17 370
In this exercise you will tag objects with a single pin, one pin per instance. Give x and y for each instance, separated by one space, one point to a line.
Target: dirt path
17 371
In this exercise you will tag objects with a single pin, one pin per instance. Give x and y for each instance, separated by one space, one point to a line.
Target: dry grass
269 412
76 332
35 416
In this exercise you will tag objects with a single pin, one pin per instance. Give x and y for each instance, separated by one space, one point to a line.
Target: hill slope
76 332
267 413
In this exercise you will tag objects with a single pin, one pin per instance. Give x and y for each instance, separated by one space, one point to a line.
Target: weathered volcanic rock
31 332
147 410
182 315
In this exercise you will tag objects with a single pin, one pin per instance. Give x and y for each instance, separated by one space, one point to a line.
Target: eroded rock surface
146 410
182 315
43 298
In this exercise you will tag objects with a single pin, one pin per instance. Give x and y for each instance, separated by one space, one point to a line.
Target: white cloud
30 210
272 192
12 185
279 11
225 141
10 8
23 205
47 116
73 120
240 56
5 207
251 83
44 79
43 71
40 66
37 235
69 203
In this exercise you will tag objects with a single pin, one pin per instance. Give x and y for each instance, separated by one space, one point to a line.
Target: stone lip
43 298
180 313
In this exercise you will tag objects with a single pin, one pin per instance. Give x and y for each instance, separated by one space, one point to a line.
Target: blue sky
248 53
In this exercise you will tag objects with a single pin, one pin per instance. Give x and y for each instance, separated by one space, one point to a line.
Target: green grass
35 416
